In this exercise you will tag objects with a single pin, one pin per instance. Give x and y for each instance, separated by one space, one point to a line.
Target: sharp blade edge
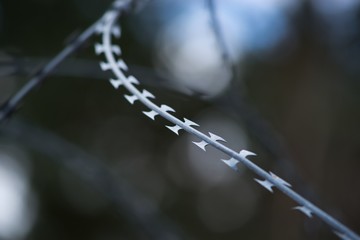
215 137
246 153
175 129
190 123
122 65
116 83
131 98
202 144
266 184
151 114
105 66
232 162
116 31
304 210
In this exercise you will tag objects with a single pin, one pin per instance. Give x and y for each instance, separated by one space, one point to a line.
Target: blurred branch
220 38
84 68
37 78
140 212
215 25
237 106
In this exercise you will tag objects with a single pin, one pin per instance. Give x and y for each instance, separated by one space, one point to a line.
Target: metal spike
99 48
216 137
266 184
151 114
175 129
166 108
131 98
116 49
190 123
232 162
246 153
304 210
99 29
282 181
147 94
108 15
201 144
133 80
121 64
116 83
105 66
116 31
342 236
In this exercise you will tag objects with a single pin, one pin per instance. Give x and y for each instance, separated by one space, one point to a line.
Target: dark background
295 102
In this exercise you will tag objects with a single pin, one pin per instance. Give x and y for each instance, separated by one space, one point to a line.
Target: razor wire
109 30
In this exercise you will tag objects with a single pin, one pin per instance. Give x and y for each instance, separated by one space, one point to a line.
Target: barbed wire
106 26
112 52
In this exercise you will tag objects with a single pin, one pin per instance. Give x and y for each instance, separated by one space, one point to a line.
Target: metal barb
132 80
147 94
175 129
266 184
99 48
166 108
105 66
116 31
116 83
121 64
116 49
151 114
202 144
246 153
280 180
131 98
215 137
190 123
304 210
232 162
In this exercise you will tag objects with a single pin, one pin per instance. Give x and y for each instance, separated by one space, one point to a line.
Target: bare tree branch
10 105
